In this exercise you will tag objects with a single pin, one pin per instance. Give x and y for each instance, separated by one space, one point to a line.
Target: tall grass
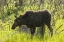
7 18
9 36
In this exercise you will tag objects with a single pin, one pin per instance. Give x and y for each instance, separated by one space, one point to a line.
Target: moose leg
50 28
32 31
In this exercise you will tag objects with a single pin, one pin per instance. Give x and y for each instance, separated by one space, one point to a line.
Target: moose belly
38 24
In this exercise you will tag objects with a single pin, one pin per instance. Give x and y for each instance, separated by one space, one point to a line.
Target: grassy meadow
7 19
8 35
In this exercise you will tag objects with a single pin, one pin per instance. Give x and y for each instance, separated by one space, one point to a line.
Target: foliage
7 17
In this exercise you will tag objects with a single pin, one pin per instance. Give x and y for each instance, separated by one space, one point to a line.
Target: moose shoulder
33 19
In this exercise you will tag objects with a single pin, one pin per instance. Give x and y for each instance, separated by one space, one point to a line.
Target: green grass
11 36
8 35
6 21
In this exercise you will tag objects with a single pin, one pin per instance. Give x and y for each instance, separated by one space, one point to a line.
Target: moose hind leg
50 28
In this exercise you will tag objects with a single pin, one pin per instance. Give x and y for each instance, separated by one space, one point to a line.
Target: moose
33 19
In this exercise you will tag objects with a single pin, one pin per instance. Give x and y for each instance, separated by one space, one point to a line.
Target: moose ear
15 16
20 16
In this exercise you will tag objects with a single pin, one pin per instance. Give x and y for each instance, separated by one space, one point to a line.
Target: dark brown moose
33 19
